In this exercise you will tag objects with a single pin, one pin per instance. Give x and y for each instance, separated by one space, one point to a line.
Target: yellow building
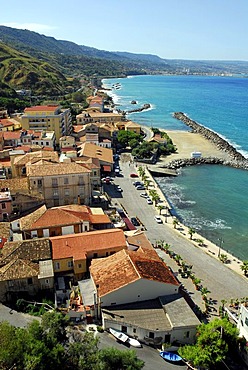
48 118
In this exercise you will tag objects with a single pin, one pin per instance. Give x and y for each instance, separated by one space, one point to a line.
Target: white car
119 189
149 201
158 219
144 195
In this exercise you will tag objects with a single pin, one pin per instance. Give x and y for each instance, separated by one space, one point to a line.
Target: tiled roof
96 151
35 156
61 216
18 269
11 135
27 221
45 108
15 185
125 267
131 124
32 250
77 128
54 169
77 245
4 229
6 122
139 241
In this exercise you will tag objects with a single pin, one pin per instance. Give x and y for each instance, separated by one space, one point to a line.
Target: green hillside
20 71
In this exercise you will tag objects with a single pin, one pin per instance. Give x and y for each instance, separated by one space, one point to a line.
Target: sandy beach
188 142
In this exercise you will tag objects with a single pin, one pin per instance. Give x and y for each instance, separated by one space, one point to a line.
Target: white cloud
37 27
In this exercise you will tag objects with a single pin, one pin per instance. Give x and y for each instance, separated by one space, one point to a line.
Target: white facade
139 290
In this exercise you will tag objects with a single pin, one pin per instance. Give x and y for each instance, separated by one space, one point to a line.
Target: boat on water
169 356
124 338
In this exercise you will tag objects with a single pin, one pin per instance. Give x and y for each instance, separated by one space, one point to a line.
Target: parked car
140 187
134 175
134 221
158 219
136 183
144 195
149 201
118 188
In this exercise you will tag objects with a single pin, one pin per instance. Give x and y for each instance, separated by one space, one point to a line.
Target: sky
171 29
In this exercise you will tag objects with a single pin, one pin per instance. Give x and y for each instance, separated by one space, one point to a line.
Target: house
129 126
64 220
105 155
139 295
24 269
60 183
44 139
11 139
22 199
20 160
67 143
72 254
9 124
49 118
91 116
5 204
93 164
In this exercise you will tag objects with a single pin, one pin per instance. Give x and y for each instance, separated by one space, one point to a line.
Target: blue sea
210 198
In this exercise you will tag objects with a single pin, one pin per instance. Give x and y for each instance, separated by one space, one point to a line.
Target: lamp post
220 244
166 208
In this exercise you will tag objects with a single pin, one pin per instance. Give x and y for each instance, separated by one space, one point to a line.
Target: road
222 282
148 354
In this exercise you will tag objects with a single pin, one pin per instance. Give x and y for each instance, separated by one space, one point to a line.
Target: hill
19 70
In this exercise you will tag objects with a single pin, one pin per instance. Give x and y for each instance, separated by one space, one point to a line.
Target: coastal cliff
237 160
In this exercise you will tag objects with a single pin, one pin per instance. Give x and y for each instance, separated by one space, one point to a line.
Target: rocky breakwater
144 107
237 160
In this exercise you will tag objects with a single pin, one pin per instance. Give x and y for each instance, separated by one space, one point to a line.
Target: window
94 173
151 335
54 182
3 205
47 143
47 282
186 334
70 263
30 281
134 330
66 180
95 255
67 192
10 283
55 193
57 266
39 183
80 265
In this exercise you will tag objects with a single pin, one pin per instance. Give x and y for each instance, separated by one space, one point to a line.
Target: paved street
217 277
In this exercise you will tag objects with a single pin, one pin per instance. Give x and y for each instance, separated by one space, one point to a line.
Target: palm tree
178 259
159 207
191 232
175 223
244 267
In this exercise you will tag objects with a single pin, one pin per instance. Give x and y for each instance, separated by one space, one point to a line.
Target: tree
191 232
113 359
10 346
244 267
160 208
175 223
213 342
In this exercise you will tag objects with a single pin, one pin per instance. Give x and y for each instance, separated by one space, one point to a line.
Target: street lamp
220 244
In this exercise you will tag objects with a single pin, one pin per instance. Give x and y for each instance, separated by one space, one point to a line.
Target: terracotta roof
5 162
53 169
45 108
131 124
125 267
11 135
33 250
139 241
77 128
61 216
77 245
6 122
18 269
96 151
27 221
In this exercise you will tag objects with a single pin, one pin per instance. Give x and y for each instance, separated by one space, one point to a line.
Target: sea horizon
219 104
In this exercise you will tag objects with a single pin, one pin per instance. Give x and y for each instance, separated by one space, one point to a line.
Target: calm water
212 199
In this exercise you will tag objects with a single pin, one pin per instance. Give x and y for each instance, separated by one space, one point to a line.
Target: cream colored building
89 116
48 118
60 183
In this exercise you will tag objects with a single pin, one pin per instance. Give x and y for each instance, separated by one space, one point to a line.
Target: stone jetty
237 160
